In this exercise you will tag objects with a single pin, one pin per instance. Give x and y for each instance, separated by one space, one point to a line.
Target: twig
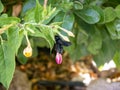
45 3
5 28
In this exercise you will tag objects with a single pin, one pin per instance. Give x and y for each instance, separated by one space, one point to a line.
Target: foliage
95 24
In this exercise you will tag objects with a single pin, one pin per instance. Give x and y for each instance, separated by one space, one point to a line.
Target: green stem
28 42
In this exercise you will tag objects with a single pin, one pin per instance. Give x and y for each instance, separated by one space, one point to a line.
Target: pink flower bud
58 58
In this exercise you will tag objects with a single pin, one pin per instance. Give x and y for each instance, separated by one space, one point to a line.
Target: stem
28 42
5 28
45 3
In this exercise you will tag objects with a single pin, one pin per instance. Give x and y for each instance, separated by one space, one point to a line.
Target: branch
45 3
5 28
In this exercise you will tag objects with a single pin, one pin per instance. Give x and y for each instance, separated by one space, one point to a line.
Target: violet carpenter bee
60 43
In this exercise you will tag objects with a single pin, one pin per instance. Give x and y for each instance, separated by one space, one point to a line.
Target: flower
58 58
68 32
27 51
64 37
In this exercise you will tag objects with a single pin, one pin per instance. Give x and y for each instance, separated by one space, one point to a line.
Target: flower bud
64 37
27 51
58 58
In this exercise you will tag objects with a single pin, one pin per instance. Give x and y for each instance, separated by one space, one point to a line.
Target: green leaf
116 59
109 14
19 37
111 29
29 15
114 29
38 12
77 51
68 21
90 36
51 16
43 32
14 33
37 32
41 42
59 17
65 6
20 57
89 15
7 64
82 37
1 7
117 10
78 48
28 4
48 35
8 20
7 57
95 41
78 5
101 13
107 51
4 15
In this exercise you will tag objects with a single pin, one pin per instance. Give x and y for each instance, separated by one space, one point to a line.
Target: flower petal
58 58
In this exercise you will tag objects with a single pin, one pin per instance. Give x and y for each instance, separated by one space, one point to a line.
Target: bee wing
61 41
64 43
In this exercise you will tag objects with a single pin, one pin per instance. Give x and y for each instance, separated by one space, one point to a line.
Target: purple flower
58 58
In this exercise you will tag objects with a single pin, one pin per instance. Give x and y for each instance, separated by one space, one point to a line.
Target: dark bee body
60 43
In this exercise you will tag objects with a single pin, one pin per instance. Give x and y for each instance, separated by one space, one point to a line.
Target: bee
60 43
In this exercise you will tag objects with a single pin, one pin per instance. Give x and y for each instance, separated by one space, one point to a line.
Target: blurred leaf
116 59
78 48
7 64
111 30
43 32
40 42
65 6
4 15
101 13
95 41
78 5
1 7
29 4
107 51
20 57
82 37
8 20
19 38
67 20
38 12
110 14
51 16
117 10
114 29
97 2
59 17
89 15
7 57
36 31
29 15
48 35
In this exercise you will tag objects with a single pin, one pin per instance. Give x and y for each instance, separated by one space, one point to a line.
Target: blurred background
91 61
